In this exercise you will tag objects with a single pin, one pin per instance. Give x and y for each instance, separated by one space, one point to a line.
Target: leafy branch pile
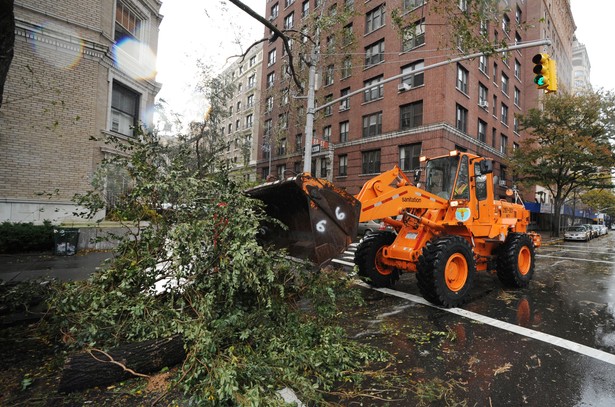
252 321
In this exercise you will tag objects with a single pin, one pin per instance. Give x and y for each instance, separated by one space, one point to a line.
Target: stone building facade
81 70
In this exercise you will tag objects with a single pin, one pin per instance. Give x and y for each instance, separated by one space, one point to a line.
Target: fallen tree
96 367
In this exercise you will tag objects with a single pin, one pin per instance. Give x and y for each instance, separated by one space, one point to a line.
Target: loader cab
448 176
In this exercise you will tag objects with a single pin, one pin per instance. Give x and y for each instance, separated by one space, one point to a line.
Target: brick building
470 105
81 69
240 128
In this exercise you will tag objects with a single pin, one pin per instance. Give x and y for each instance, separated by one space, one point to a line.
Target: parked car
596 230
580 232
371 226
592 232
603 230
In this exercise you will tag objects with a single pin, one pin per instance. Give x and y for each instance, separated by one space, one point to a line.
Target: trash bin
65 241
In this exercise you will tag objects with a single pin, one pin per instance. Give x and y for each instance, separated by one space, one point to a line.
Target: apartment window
275 10
517 97
494 108
374 54
329 74
269 104
413 79
462 79
375 90
408 5
493 136
249 121
345 103
505 84
411 115
413 36
238 106
495 72
347 35
483 94
484 27
268 126
346 67
344 128
237 124
370 162
506 24
409 157
343 165
251 81
349 4
298 143
252 61
323 168
282 147
517 38
463 5
482 64
283 120
288 2
516 124
517 69
305 8
230 110
289 21
230 128
372 125
124 109
482 131
504 114
515 147
285 96
250 101
270 79
462 119
127 23
503 144
328 109
326 133
374 19
271 57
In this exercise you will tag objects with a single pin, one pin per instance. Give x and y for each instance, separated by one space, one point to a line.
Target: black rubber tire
366 258
431 274
510 267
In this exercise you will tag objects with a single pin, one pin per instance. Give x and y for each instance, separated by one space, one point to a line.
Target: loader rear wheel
516 261
371 269
445 271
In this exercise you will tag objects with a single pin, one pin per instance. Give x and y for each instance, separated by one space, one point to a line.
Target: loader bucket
321 219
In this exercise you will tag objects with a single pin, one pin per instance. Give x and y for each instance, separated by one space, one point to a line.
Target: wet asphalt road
552 344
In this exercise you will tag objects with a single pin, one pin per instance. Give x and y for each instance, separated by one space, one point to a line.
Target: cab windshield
440 176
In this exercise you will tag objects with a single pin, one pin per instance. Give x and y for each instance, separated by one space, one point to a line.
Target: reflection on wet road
550 344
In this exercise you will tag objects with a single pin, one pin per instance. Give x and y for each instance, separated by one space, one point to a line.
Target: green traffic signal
541 69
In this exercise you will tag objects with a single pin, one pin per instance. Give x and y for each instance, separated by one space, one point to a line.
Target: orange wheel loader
445 230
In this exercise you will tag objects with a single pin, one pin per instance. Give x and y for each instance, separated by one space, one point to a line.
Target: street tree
602 200
568 148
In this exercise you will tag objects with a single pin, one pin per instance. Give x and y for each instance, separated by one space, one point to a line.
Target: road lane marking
546 338
575 258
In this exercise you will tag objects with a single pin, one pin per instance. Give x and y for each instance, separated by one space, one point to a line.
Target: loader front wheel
367 259
516 261
445 271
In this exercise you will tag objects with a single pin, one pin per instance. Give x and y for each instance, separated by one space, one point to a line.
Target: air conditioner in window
403 87
483 104
502 182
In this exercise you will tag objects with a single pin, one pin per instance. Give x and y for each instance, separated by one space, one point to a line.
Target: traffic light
545 70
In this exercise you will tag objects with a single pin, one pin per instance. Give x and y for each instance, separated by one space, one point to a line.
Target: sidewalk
28 266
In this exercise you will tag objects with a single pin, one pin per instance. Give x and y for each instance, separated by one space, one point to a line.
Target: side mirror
486 166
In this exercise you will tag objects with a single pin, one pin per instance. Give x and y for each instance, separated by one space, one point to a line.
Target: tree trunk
98 368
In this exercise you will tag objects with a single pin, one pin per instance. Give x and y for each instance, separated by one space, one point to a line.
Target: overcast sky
189 32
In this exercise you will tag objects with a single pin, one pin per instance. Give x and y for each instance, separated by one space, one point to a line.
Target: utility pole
309 122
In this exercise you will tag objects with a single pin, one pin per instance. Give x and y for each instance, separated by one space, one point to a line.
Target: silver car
577 233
